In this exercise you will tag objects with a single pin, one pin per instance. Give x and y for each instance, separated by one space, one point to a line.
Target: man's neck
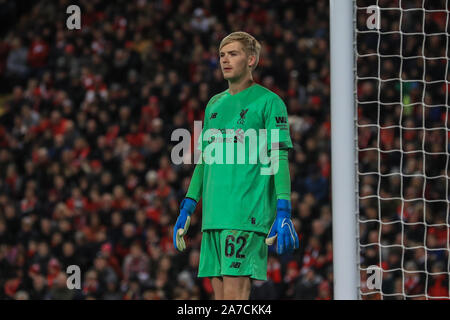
238 86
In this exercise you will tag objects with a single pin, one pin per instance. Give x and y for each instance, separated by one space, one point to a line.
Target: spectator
59 290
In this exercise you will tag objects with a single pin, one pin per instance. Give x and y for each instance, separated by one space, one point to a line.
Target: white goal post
345 272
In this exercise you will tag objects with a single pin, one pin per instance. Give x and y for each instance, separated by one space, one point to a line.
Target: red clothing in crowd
38 54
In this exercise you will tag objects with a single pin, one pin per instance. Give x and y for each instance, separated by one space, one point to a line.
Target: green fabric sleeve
196 185
282 177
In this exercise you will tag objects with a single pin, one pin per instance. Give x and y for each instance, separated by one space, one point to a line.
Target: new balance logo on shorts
235 265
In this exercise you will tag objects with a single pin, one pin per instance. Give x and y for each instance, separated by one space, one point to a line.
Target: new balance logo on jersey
213 115
281 119
235 265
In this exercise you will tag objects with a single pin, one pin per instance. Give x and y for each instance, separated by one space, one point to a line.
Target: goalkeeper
243 210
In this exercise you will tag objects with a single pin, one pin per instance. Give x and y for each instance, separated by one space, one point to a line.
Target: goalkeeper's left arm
187 207
282 228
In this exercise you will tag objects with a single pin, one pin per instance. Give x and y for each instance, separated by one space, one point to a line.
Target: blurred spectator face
58 182
373 236
309 199
17 93
32 245
305 210
155 252
100 236
111 286
55 117
116 219
4 155
29 194
394 259
59 140
79 238
100 263
371 213
432 241
124 113
141 217
22 295
60 281
161 279
11 171
64 226
314 243
38 282
165 263
325 213
165 220
128 230
234 61
27 224
310 275
80 143
324 290
2 226
104 117
135 251
118 192
91 279
150 294
10 212
318 227
107 201
181 293
157 125
68 249
106 179
152 234
42 249
56 239
151 178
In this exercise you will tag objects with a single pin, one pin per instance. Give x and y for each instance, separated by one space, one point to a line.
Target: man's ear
251 61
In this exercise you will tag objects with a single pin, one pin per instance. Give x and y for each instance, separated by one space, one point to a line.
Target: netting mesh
402 120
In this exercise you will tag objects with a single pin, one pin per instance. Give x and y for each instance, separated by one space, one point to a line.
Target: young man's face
234 61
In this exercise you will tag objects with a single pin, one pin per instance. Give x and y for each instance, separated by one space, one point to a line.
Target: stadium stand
85 123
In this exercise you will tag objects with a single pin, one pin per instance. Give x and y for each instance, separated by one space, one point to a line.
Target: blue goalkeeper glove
282 229
181 227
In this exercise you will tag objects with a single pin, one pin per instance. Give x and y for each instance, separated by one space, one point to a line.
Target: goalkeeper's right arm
195 187
187 207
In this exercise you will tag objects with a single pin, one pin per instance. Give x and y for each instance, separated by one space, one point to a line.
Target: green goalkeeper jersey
236 194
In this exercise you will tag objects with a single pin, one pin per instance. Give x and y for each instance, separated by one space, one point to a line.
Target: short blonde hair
250 45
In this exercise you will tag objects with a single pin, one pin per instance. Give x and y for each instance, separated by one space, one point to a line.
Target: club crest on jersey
242 116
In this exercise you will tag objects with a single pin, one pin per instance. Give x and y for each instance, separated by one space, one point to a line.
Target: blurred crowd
86 117
403 135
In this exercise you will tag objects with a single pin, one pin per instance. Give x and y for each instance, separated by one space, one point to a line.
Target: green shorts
233 253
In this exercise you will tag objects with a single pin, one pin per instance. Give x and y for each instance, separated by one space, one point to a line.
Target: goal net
402 121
